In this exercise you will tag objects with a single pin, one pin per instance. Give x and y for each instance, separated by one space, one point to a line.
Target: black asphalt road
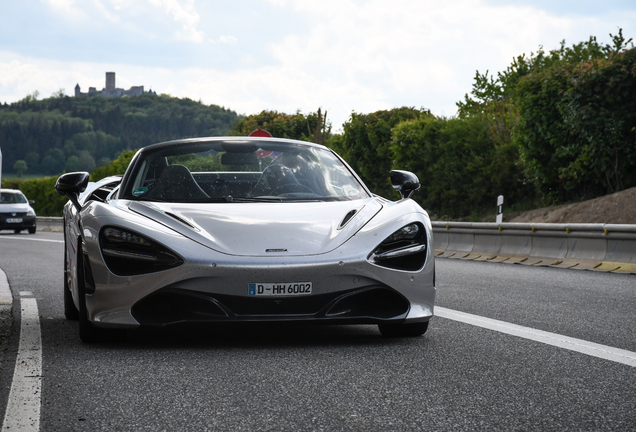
456 377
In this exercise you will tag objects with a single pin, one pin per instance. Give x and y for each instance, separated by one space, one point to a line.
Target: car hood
14 208
264 229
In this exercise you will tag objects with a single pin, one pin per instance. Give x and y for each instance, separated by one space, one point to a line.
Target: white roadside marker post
500 209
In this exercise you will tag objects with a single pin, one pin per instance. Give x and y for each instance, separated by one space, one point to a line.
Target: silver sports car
244 229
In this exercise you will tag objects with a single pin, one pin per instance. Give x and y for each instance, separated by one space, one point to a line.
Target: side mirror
71 185
404 182
31 202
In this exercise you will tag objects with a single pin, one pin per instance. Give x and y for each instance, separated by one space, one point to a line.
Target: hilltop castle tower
110 81
111 90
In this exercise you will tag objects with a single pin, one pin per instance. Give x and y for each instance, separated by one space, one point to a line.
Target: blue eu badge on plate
251 289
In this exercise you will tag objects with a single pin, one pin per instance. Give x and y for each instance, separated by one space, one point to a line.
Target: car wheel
32 230
403 330
70 311
16 231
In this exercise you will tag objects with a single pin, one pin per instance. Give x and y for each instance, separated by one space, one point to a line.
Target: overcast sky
288 55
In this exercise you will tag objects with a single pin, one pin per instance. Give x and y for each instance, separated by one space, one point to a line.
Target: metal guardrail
49 223
602 247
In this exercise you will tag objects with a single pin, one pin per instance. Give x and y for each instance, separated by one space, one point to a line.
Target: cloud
23 76
419 53
145 18
228 39
344 56
185 14
66 8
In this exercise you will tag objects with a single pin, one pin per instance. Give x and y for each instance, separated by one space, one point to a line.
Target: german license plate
14 220
279 289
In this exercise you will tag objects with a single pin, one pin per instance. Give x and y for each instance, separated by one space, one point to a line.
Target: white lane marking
6 298
31 239
590 348
23 407
26 294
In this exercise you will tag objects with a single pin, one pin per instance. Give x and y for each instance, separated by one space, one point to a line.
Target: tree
536 105
310 127
599 110
86 161
20 167
577 120
73 164
322 132
53 162
366 141
116 167
32 160
460 169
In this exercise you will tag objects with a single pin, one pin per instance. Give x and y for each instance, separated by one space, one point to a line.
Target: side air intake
347 218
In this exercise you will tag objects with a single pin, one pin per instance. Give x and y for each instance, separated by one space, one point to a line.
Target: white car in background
16 212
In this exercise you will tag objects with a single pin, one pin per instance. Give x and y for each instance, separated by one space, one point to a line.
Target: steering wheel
291 188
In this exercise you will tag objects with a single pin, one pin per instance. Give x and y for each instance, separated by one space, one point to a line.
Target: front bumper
25 222
213 286
375 304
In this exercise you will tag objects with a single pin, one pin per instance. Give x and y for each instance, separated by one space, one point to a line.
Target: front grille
367 305
11 215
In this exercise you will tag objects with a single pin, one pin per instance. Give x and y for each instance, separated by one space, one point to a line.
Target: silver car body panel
250 229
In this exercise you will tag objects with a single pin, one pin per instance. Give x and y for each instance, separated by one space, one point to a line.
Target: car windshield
12 198
240 171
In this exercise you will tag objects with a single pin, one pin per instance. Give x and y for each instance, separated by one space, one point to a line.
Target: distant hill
69 134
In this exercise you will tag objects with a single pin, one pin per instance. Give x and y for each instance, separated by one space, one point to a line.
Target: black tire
70 311
32 230
16 231
403 330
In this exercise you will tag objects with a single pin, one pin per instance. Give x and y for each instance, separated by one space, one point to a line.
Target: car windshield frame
240 171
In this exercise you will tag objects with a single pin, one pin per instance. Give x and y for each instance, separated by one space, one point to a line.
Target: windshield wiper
275 199
253 199
190 201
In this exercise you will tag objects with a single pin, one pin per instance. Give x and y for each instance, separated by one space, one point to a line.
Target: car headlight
408 232
405 249
128 253
30 212
120 236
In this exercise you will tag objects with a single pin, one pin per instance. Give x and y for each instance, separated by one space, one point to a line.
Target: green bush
460 169
366 141
312 127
